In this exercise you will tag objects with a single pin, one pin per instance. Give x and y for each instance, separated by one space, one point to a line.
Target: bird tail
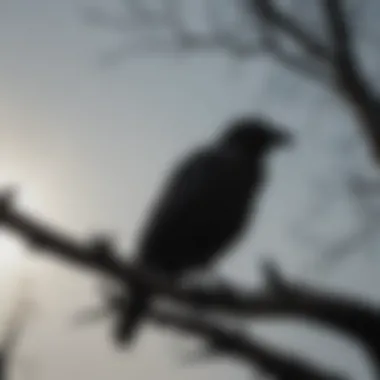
132 314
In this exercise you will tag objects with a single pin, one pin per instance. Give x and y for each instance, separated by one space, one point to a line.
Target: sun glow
10 253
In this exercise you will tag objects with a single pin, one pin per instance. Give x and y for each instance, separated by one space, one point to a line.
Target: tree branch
340 58
352 83
334 64
354 318
279 20
226 341
298 64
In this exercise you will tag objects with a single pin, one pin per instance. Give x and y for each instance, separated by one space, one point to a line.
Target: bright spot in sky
11 270
10 253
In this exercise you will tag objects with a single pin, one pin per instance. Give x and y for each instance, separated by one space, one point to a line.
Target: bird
202 209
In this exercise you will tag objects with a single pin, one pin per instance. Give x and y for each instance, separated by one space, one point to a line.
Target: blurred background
99 98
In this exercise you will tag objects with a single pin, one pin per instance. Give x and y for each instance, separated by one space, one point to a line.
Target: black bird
203 209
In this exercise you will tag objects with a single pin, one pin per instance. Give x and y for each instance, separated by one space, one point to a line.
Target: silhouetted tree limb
278 298
225 341
348 74
260 29
340 57
267 10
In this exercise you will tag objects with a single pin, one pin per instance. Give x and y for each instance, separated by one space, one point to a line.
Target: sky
88 147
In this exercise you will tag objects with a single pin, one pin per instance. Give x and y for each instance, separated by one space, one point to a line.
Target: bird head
255 135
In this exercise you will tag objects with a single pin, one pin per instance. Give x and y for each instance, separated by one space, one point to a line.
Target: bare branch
346 68
282 298
299 64
332 64
283 22
221 341
340 58
352 83
226 341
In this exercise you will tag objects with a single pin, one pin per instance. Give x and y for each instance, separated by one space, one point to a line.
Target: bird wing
189 202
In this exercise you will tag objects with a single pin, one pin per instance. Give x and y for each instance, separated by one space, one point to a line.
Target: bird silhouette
203 208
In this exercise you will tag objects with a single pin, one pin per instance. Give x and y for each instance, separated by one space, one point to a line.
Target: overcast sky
89 148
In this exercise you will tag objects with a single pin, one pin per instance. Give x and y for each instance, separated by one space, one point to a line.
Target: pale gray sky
89 147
